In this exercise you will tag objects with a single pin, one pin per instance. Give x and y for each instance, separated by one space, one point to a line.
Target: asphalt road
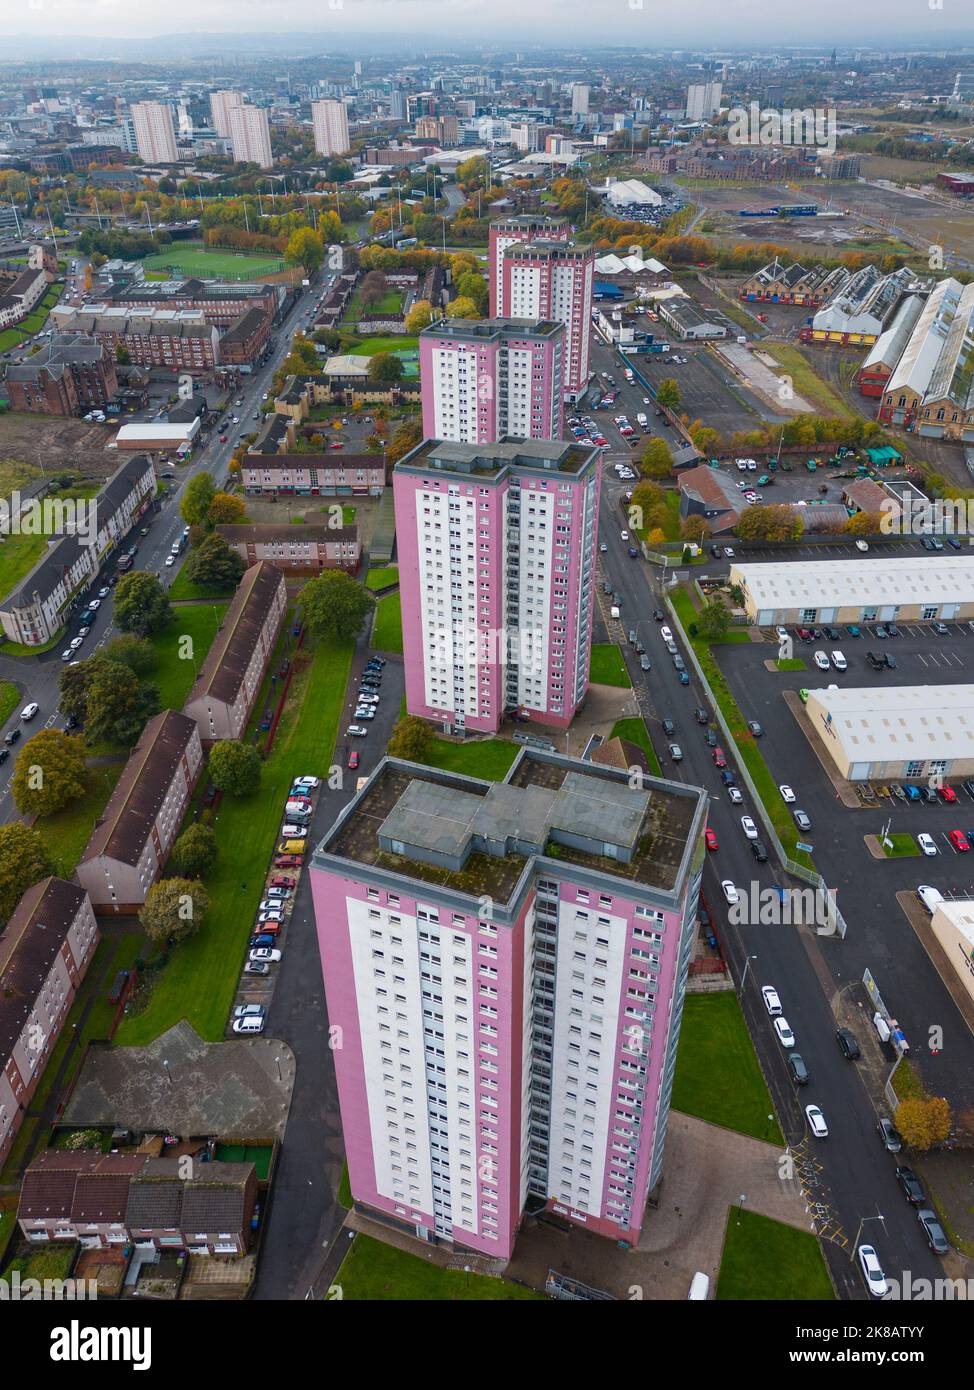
37 677
849 1175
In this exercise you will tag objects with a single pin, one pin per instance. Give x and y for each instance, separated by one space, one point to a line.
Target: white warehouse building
896 732
904 589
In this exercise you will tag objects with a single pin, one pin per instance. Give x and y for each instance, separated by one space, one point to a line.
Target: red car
336 445
223 439
710 839
282 881
267 928
353 759
947 794
287 861
959 840
719 757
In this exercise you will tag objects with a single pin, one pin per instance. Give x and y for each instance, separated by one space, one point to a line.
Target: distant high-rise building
484 379
553 280
155 138
444 130
250 135
523 228
963 93
580 95
397 104
520 518
330 120
703 100
221 104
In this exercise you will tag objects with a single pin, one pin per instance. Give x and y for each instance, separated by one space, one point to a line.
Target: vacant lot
51 444
193 258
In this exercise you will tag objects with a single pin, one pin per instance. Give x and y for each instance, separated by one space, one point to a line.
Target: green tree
24 860
334 605
305 248
134 652
419 316
214 564
235 767
713 621
384 369
668 394
174 909
197 497
411 738
194 853
657 461
463 307
141 604
49 773
226 509
473 286
117 704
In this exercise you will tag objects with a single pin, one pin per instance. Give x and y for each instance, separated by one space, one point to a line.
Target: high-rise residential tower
553 280
330 119
250 135
497 557
505 966
523 228
703 100
155 137
483 379
221 104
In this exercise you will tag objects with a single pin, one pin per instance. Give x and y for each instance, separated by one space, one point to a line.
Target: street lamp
862 1222
168 1072
747 966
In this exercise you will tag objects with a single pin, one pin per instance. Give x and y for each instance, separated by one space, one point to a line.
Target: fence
789 865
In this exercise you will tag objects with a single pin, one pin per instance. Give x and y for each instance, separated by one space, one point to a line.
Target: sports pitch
194 259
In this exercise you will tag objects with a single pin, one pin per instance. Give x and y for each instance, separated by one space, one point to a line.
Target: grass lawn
489 758
387 633
382 577
193 258
184 588
717 1074
9 699
69 830
179 659
807 383
764 1259
22 649
607 666
902 847
373 1271
369 347
791 663
746 743
199 982
634 731
49 1261
19 552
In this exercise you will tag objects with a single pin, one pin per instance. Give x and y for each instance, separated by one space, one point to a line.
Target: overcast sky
622 22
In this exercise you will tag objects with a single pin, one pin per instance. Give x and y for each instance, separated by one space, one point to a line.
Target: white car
249 1011
66 656
816 1122
603 548
356 731
926 843
771 1001
872 1271
735 795
839 661
624 535
305 782
821 661
76 643
170 560
786 793
295 832
265 953
270 905
29 711
730 892
251 1024
749 828
104 591
647 401
783 1030
666 633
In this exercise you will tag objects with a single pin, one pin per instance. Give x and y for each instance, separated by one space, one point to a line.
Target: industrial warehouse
854 591
895 733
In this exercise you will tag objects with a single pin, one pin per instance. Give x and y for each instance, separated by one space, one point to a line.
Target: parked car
783 1031
848 1045
310 782
959 841
668 726
356 731
872 1271
286 861
911 1185
729 891
771 1000
755 728
816 1122
251 1024
926 844
889 1135
749 828
256 967
676 752
710 838
760 851
933 1230
269 955
797 1069
249 1011
786 793
802 820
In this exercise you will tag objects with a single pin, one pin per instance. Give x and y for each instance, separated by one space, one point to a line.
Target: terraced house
131 842
45 951
231 676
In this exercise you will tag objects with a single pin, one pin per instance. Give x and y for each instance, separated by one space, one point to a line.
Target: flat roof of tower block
545 455
476 838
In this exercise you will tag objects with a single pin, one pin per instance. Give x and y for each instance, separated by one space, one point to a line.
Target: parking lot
708 390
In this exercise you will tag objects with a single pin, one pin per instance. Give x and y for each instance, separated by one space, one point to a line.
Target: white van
839 661
930 897
699 1288
614 611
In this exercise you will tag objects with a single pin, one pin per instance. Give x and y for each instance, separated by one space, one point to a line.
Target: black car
11 736
911 1185
932 1228
710 738
701 715
832 633
759 851
71 722
889 661
848 1045
727 777
4 754
633 552
927 543
798 1069
658 614
876 662
669 727
892 630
